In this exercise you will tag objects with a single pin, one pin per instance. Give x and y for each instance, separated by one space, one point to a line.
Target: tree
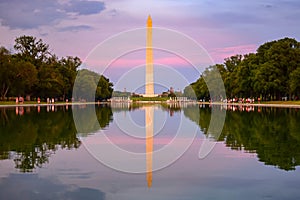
121 94
33 70
68 70
189 92
244 76
294 82
104 88
232 62
214 82
25 78
32 50
229 75
86 83
200 88
281 57
209 85
6 72
271 72
50 79
17 76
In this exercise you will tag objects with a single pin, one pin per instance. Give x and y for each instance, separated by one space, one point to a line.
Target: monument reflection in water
149 142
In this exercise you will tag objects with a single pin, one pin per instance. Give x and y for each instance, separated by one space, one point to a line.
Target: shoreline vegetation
33 73
272 73
282 104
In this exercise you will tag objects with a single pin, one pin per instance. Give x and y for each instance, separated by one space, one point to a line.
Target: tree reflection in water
272 133
29 135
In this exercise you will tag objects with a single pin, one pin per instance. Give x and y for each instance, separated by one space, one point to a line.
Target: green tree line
34 71
271 73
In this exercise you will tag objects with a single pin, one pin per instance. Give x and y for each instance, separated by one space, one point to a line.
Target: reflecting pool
71 152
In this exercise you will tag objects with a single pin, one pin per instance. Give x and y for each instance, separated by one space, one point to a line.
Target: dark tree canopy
271 73
32 50
87 81
36 72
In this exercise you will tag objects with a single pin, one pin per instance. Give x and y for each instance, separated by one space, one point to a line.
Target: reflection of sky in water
128 129
224 174
31 186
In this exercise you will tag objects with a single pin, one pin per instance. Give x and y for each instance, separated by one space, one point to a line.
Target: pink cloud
219 54
134 62
172 61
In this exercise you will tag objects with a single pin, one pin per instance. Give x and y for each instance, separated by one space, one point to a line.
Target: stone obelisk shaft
149 60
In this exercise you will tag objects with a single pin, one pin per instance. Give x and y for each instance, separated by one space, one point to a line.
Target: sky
222 28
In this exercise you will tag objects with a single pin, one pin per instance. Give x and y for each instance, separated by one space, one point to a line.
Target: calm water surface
42 156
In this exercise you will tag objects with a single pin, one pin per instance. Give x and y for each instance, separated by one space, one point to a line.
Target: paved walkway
254 104
206 103
50 104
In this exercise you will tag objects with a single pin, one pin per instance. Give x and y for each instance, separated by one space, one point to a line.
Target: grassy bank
154 99
149 98
14 103
282 102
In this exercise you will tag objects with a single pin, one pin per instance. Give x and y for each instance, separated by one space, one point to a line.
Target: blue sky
223 28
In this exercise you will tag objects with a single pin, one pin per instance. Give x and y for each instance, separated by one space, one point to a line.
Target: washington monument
149 61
